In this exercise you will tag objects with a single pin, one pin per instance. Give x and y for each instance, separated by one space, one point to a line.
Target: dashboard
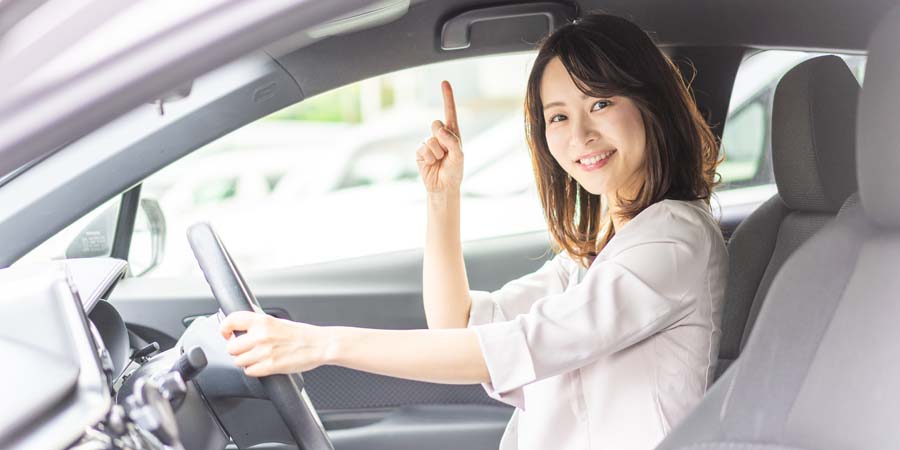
79 382
59 386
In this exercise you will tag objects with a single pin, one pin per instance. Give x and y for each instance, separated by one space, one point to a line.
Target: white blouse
616 359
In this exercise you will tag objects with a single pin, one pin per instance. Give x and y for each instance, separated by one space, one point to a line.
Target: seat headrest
878 141
813 135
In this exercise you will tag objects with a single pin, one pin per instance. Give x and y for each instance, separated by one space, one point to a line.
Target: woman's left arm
271 345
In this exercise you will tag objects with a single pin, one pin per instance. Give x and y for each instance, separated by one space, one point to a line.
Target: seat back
820 371
813 132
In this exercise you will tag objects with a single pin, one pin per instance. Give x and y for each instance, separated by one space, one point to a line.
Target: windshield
71 70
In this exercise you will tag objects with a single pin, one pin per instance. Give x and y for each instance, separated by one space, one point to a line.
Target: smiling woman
600 89
613 341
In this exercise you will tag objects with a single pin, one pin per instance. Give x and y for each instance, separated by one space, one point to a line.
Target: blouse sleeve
623 299
517 296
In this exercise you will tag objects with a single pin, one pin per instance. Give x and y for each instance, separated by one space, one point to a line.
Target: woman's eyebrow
552 104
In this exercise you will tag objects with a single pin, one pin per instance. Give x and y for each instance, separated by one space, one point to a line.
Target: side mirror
148 238
148 241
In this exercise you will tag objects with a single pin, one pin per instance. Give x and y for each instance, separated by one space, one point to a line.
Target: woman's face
600 142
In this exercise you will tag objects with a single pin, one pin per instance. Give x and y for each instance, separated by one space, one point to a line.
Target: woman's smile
594 161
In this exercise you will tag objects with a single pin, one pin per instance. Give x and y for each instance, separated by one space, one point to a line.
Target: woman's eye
557 118
600 104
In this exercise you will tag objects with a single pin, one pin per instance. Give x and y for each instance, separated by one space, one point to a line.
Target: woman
610 343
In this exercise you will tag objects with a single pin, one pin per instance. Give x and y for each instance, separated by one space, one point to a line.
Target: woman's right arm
445 288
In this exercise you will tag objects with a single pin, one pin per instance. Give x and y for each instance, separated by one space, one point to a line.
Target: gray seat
813 123
821 369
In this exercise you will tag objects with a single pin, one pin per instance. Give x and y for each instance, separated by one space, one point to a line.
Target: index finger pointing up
449 108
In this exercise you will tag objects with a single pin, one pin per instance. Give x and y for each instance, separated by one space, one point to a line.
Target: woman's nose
583 132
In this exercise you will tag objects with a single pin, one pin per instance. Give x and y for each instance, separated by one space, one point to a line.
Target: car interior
805 358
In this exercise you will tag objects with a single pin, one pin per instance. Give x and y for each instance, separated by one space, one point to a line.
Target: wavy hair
609 56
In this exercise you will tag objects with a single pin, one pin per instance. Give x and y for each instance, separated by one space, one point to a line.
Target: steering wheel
233 294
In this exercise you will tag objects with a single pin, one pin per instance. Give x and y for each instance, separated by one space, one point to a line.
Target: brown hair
609 56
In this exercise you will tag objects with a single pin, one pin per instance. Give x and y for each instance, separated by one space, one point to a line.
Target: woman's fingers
237 321
449 107
443 145
253 356
424 155
435 147
448 140
261 369
436 128
445 136
430 152
240 344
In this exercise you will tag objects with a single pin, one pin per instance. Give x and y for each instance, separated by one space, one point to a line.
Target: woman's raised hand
440 158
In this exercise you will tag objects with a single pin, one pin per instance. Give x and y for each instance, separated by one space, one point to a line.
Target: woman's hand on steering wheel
270 345
440 157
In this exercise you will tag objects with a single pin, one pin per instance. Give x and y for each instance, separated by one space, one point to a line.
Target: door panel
431 427
382 291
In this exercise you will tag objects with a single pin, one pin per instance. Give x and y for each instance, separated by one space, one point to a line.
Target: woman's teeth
596 158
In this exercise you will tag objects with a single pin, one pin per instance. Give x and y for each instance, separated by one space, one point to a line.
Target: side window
335 177
746 139
744 143
215 191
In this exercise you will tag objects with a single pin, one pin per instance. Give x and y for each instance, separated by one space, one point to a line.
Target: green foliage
339 105
387 94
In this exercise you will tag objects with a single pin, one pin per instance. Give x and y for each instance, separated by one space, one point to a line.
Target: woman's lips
595 165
